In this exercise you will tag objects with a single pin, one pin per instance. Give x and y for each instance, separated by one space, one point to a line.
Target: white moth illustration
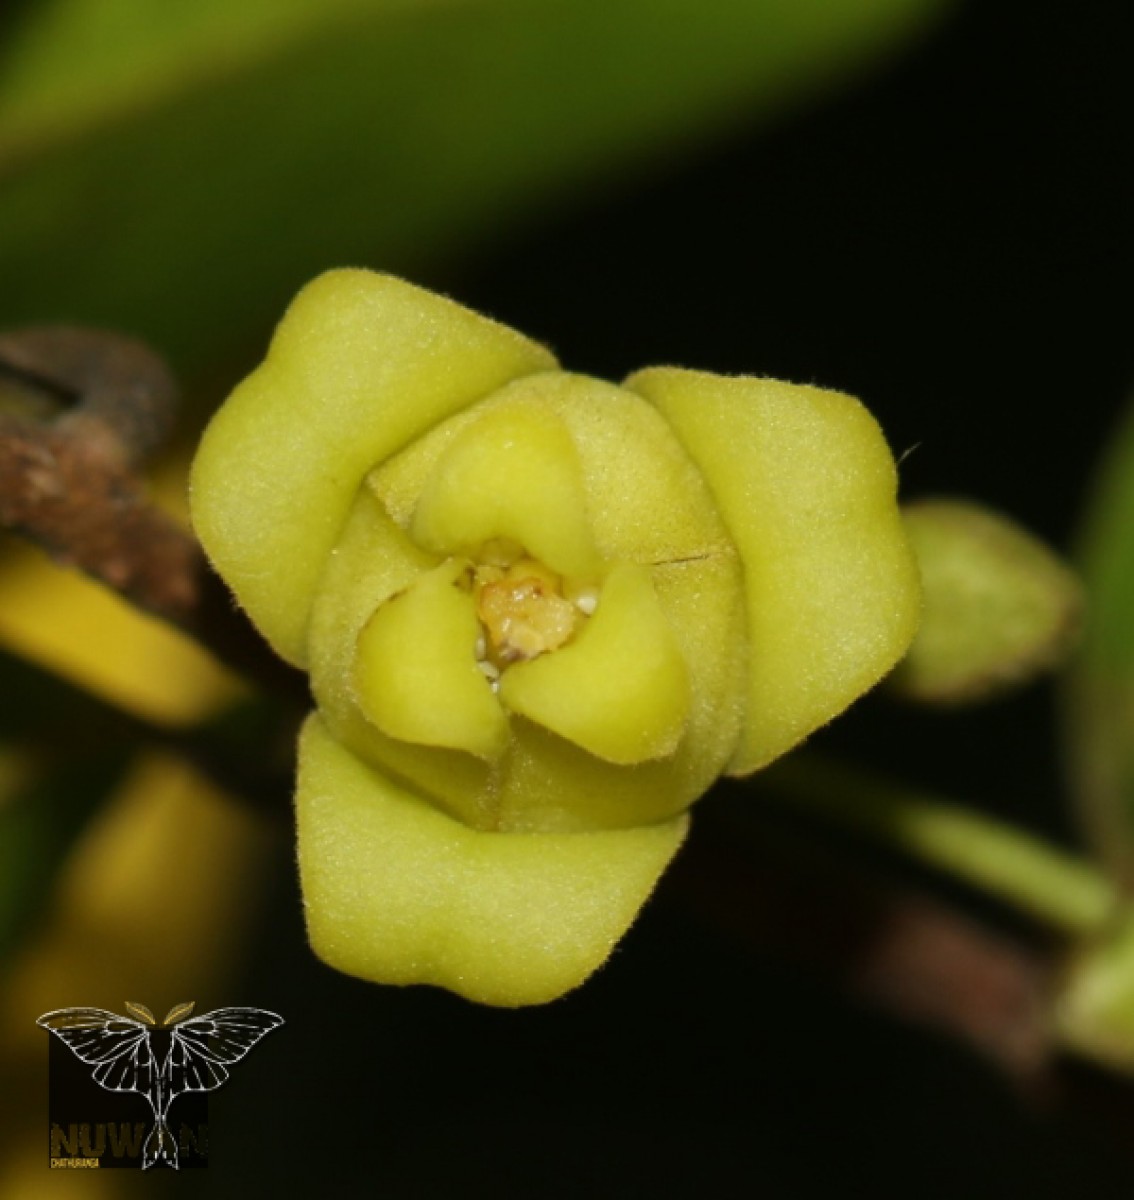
121 1051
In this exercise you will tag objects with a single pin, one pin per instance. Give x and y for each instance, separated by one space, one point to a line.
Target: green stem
1060 889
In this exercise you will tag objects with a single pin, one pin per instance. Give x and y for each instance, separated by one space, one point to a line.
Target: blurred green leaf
1100 698
73 63
178 170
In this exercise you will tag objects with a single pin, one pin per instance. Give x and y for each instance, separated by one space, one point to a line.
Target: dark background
951 241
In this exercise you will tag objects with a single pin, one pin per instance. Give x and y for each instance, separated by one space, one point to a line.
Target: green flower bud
1000 607
541 614
1094 1011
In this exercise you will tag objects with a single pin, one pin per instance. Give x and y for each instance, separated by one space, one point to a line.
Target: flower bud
999 606
1094 1011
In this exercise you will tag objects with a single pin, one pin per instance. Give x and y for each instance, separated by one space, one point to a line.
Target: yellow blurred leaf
85 633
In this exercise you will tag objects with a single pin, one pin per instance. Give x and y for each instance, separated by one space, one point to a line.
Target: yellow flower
541 614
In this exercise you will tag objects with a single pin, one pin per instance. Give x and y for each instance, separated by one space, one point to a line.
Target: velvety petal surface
415 671
397 892
373 561
621 689
806 485
360 365
514 473
645 503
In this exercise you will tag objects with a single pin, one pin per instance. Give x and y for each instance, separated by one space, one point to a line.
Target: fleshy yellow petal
360 365
621 688
550 784
645 500
513 474
373 560
416 672
397 892
646 503
806 485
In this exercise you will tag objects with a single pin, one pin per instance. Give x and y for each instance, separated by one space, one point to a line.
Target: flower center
525 609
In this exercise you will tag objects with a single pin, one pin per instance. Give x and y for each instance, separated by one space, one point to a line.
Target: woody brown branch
116 392
898 948
68 482
67 493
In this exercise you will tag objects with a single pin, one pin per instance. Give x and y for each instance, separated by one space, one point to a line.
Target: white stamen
586 601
